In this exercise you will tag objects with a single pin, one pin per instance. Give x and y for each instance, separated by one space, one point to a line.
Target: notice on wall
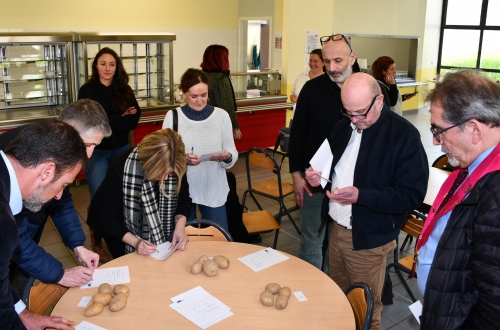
312 41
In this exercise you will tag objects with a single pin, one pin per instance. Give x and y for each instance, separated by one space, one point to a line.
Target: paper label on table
200 307
84 325
163 250
416 309
84 302
322 161
263 259
300 296
206 157
114 275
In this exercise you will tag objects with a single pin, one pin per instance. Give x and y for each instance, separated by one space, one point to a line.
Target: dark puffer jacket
463 288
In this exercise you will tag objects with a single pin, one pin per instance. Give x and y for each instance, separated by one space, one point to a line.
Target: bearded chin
451 160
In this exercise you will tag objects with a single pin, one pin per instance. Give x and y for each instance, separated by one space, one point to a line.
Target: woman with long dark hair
108 85
215 65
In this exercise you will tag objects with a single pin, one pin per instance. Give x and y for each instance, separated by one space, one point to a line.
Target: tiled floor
396 316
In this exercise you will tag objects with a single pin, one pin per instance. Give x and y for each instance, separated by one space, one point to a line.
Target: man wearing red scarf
458 263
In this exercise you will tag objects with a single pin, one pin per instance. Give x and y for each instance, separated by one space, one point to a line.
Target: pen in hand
192 150
322 177
85 265
145 242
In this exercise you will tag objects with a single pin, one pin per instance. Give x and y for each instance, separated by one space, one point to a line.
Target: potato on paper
196 268
105 288
94 309
210 268
273 287
121 288
102 298
267 298
281 302
203 258
118 302
222 261
285 291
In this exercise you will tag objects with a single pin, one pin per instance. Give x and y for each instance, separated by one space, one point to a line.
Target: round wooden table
154 282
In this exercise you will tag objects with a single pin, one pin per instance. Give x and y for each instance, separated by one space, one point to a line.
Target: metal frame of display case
57 88
164 93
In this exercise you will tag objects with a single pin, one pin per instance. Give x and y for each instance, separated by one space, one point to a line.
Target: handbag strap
175 119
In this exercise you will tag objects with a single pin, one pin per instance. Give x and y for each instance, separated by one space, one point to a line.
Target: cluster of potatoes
267 296
105 297
209 266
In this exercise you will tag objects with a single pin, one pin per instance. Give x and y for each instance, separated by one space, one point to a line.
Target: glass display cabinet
252 84
146 58
35 74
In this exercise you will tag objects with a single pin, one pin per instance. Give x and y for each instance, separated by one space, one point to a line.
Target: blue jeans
216 214
98 166
310 221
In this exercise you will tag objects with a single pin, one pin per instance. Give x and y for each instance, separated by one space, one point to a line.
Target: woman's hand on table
192 159
145 249
130 111
180 232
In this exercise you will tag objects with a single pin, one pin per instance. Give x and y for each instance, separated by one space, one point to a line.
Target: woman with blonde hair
144 197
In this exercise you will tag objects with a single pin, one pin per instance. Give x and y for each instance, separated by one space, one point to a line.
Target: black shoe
255 239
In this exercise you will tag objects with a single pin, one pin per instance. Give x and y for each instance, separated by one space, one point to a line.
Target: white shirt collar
16 200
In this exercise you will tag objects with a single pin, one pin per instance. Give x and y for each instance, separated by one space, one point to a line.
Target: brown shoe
98 248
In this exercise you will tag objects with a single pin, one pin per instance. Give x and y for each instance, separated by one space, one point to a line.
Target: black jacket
463 287
391 174
120 125
8 242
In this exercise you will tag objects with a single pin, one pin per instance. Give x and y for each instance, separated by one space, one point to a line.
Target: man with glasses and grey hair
90 121
316 114
459 246
379 174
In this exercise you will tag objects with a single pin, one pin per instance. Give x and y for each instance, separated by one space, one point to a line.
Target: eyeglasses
335 37
363 116
436 132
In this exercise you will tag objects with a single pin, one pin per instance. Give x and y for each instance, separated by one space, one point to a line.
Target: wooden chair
272 188
413 227
211 231
257 222
42 296
361 298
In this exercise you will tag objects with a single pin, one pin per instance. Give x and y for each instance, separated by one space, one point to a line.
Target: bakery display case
146 58
35 74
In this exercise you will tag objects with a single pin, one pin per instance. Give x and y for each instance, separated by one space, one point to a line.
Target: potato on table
102 298
121 288
94 309
118 302
210 268
267 298
222 261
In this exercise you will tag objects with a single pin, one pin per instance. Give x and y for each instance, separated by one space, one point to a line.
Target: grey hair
86 116
466 95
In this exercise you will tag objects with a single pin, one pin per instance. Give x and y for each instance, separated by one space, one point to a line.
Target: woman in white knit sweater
205 130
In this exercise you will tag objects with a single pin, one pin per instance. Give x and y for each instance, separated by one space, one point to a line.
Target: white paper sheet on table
163 250
113 275
263 259
200 307
206 157
84 325
322 161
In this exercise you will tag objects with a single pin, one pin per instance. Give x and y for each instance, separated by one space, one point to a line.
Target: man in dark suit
34 168
29 259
